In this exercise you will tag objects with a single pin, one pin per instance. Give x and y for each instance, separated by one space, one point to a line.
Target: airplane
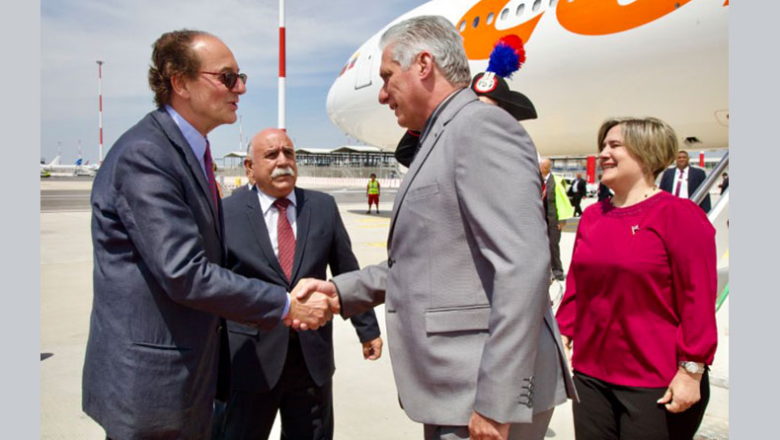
56 168
586 61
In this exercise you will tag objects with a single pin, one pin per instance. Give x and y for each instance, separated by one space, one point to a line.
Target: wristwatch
692 367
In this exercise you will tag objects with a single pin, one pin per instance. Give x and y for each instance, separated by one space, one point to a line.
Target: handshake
312 304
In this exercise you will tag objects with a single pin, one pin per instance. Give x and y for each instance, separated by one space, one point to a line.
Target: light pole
241 146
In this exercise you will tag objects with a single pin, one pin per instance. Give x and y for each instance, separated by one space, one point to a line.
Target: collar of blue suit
193 137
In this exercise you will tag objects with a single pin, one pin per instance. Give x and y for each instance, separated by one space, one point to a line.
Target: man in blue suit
278 369
683 180
156 355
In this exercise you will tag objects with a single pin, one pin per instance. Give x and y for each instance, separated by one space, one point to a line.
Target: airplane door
363 77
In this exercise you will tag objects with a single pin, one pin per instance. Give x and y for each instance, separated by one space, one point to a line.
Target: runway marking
379 245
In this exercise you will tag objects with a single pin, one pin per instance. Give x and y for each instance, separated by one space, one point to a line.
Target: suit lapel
303 214
177 139
255 217
459 101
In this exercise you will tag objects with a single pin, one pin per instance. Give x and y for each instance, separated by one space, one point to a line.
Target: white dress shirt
684 187
271 216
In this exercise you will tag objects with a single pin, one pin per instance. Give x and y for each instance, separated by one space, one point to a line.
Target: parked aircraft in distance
56 168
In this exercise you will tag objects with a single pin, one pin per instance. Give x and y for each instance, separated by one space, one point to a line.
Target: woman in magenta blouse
639 308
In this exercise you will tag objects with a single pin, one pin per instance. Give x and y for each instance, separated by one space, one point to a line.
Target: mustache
279 172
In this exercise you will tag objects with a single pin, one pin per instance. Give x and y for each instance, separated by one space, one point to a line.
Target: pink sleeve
690 242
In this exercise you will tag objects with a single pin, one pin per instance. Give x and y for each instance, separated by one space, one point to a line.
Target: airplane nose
352 103
335 105
358 113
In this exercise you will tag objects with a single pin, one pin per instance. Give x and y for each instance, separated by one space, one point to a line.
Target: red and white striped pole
282 68
100 109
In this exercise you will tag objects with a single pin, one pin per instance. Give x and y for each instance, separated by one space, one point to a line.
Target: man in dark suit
554 226
578 190
155 338
683 180
278 369
248 170
604 192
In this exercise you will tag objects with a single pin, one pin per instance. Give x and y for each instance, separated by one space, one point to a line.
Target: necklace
646 195
652 190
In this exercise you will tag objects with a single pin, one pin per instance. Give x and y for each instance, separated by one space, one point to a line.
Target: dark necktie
285 238
679 184
209 165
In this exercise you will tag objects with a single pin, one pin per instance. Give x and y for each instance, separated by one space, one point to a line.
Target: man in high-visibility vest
558 209
372 192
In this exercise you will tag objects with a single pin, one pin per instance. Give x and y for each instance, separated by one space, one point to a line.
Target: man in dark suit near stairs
280 234
683 180
577 191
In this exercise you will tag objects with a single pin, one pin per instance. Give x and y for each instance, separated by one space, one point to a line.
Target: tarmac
365 398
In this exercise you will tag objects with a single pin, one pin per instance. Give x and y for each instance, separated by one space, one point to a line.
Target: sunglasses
229 79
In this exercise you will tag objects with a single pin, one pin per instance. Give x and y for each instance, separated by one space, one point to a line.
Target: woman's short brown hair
651 141
172 55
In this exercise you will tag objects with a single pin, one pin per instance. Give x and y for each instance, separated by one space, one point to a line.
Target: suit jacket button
390 262
219 329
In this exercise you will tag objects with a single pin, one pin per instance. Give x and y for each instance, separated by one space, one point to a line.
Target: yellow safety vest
373 187
562 202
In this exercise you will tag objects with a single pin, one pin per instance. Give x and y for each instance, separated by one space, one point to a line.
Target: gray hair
249 152
434 34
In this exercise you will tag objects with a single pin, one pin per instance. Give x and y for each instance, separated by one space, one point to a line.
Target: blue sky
321 36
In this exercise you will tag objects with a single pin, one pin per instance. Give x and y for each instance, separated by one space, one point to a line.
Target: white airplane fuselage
586 61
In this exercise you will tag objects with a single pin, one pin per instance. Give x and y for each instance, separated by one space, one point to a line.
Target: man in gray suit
157 354
475 348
